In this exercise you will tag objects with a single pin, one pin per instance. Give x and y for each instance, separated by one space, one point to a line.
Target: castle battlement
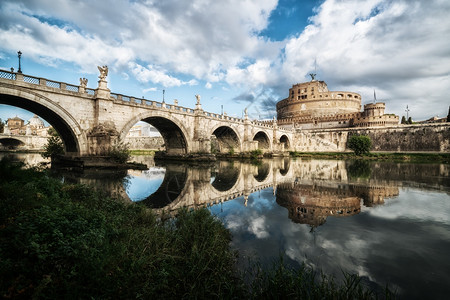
312 105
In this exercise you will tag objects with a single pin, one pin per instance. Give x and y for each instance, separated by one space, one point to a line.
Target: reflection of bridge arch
263 140
227 139
285 141
11 143
262 172
172 130
226 176
171 189
284 168
57 116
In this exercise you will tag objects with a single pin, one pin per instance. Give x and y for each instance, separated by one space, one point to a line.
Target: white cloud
399 47
258 226
152 89
208 85
151 74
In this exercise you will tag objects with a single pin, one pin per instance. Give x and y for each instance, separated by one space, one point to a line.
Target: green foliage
119 153
2 125
360 144
410 120
403 120
254 154
231 151
54 144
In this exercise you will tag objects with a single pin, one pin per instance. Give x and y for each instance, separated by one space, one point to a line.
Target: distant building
16 126
143 129
311 105
432 120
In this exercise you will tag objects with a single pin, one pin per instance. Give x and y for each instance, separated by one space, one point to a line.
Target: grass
397 156
143 152
60 240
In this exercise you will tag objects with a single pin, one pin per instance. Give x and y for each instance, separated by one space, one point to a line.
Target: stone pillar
103 135
202 141
247 137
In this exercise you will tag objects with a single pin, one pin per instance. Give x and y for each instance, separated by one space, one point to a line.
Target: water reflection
387 222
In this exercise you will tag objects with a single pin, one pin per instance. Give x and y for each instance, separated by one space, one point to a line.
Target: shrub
256 153
54 144
119 153
360 144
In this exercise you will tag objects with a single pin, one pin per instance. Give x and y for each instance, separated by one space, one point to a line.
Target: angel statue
83 82
103 72
198 98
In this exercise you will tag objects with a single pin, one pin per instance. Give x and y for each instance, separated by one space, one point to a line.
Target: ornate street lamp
19 54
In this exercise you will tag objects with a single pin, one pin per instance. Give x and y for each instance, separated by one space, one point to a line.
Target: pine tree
403 120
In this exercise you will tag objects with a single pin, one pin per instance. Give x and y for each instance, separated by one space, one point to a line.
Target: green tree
410 120
448 116
403 120
2 125
360 144
54 144
119 153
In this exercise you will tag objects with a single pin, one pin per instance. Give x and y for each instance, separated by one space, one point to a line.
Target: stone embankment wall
145 143
401 138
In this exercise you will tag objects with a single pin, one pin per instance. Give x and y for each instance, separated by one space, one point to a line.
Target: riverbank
417 157
60 240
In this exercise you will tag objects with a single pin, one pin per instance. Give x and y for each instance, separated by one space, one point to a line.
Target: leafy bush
256 153
54 144
119 153
360 144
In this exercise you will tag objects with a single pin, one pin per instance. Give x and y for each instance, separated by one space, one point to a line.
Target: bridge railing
119 97
42 81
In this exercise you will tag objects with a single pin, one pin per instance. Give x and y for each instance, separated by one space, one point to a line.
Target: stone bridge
22 142
92 121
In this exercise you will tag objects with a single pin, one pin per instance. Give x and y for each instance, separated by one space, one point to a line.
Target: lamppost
19 54
407 111
163 95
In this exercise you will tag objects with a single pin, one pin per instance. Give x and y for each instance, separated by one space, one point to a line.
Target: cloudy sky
236 53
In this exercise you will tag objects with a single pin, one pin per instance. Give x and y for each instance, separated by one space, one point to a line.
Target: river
388 222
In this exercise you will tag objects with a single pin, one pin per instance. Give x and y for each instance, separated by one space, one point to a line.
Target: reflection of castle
312 204
312 105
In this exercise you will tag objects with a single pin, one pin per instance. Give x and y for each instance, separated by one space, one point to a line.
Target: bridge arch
263 140
173 131
227 139
65 124
285 141
10 143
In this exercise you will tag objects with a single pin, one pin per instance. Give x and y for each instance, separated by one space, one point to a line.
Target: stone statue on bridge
83 82
103 72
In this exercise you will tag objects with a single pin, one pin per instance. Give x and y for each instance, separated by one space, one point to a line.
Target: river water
388 222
